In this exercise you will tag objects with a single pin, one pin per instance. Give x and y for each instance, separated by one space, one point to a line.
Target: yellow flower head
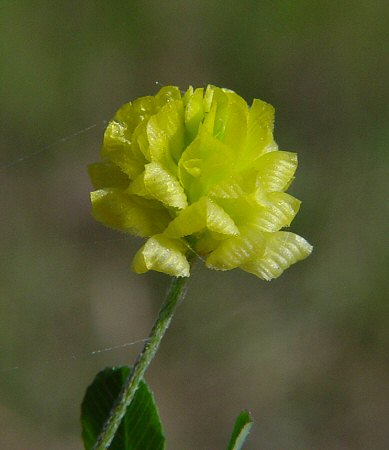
199 172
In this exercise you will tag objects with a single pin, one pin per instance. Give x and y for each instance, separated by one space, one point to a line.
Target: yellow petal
204 163
167 94
259 132
277 212
131 114
235 185
106 174
140 141
269 212
276 170
231 120
282 250
208 96
216 119
188 94
201 215
194 113
117 148
236 250
156 182
165 132
129 213
162 254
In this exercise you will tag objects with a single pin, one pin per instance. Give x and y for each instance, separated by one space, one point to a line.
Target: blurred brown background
307 354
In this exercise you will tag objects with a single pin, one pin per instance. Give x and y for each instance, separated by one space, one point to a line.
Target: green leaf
140 428
241 430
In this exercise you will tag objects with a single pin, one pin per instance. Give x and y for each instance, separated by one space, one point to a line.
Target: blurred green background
307 354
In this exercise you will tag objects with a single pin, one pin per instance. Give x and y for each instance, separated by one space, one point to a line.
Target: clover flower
199 172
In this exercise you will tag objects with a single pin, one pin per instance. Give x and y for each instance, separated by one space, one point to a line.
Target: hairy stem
174 296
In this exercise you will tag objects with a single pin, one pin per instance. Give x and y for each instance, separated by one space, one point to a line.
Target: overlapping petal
156 182
107 175
282 249
125 212
237 250
276 169
199 172
162 254
199 216
120 150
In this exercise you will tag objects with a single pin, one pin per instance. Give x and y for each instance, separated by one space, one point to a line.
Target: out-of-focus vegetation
307 354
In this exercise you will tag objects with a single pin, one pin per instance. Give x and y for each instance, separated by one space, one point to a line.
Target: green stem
175 294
